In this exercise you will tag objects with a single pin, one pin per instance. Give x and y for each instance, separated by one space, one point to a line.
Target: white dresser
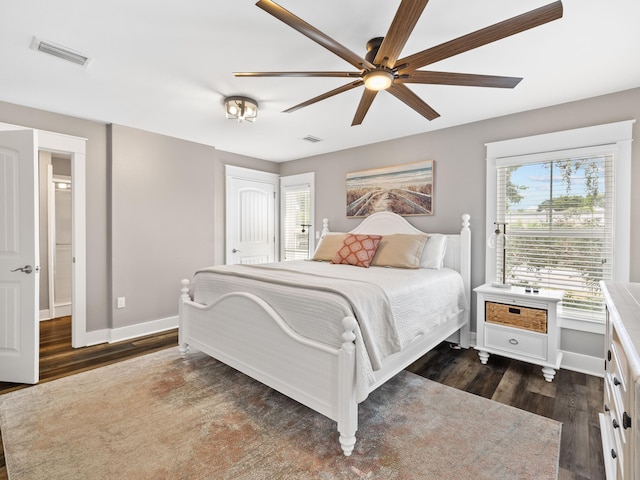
621 408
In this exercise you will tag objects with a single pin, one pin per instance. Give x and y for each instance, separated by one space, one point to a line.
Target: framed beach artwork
403 189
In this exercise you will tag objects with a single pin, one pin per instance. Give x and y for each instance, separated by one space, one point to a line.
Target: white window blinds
559 216
296 221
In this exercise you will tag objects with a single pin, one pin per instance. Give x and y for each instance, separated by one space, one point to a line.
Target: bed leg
183 346
347 444
348 408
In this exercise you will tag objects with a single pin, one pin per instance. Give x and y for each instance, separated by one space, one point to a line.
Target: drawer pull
615 423
513 341
626 420
514 310
616 382
613 453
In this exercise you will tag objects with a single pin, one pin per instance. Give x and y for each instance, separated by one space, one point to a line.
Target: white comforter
392 306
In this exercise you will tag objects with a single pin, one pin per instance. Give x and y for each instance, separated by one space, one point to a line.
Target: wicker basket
534 319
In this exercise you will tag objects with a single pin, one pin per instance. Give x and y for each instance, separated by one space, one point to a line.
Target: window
559 226
557 193
297 216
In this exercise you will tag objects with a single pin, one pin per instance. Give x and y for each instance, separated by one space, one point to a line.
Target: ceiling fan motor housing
373 46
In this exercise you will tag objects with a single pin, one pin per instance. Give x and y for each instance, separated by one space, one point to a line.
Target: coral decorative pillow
357 250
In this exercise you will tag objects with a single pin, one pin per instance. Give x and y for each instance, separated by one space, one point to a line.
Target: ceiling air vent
311 139
59 51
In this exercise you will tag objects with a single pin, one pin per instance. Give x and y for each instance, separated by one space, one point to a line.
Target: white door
250 218
19 267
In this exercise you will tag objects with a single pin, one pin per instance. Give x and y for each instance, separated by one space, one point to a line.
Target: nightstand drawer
516 341
534 319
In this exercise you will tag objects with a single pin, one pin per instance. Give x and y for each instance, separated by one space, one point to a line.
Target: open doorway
55 234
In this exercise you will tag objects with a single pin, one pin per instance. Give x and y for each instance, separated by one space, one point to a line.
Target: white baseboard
142 329
112 335
62 310
59 311
583 363
95 337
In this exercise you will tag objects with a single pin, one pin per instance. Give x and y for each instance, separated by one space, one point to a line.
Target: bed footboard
243 331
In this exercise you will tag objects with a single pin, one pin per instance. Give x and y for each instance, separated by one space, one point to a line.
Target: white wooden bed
242 330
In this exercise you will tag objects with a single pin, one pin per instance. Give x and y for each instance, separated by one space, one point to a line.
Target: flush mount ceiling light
379 79
59 51
241 109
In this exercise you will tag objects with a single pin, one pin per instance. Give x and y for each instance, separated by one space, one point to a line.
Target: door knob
235 250
26 269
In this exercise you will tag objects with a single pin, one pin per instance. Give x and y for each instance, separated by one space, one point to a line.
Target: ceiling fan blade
481 37
402 93
464 79
363 107
342 89
314 34
403 24
299 74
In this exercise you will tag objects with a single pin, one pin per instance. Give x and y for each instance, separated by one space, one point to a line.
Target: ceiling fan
381 69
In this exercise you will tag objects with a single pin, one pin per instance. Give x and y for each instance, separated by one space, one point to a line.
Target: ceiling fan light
378 79
241 109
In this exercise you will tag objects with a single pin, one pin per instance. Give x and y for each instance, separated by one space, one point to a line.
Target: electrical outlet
121 302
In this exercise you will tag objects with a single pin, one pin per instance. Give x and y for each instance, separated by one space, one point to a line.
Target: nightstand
517 324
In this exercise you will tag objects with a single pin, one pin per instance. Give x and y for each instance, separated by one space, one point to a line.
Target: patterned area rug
160 417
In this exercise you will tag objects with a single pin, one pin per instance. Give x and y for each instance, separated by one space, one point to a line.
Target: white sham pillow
434 250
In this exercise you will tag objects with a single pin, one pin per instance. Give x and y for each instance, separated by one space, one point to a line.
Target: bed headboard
458 253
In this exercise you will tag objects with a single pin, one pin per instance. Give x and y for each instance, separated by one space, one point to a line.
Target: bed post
465 271
347 405
183 346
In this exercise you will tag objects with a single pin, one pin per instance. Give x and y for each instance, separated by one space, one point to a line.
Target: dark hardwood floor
572 398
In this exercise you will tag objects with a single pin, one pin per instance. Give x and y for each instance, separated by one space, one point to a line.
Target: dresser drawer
617 412
516 341
619 359
612 449
534 319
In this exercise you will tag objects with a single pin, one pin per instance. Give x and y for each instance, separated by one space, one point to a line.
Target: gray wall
460 166
161 220
142 206
155 204
460 172
167 218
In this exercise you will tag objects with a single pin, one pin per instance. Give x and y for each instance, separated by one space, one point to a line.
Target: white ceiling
165 66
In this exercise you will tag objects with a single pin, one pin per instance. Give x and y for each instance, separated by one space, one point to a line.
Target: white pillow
434 250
